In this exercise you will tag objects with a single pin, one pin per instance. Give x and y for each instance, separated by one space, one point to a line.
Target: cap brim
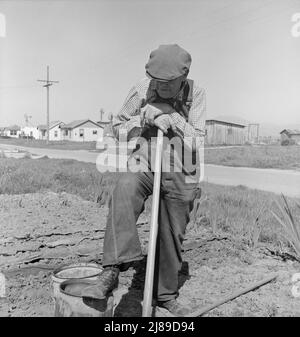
156 78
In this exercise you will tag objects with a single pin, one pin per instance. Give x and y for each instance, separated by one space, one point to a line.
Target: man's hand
164 122
153 110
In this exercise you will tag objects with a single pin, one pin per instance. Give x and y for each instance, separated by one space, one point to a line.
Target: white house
12 131
30 131
84 130
55 132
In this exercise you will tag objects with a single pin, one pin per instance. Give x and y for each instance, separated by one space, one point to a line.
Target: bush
290 224
288 141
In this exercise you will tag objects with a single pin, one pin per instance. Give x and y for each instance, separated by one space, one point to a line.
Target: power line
257 19
138 43
229 19
18 87
130 48
267 17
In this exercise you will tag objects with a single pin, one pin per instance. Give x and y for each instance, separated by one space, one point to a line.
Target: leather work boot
174 307
108 280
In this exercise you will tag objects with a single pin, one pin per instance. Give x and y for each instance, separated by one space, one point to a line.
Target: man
169 101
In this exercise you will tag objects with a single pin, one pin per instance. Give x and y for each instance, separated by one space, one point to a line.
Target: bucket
80 271
88 271
71 304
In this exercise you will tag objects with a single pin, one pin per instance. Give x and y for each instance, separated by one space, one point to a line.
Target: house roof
13 127
29 127
103 122
232 119
51 125
77 123
291 131
227 121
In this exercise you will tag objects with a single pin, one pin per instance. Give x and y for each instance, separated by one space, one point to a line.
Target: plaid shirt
129 117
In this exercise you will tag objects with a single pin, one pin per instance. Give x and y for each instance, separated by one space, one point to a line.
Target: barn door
230 137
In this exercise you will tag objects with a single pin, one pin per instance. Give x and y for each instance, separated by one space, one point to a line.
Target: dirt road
272 180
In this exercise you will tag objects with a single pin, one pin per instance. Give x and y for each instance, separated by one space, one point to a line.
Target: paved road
277 181
273 180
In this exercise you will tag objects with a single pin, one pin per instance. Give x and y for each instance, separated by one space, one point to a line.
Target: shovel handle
148 290
231 297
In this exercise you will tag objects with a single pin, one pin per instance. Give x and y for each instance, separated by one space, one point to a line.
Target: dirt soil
41 232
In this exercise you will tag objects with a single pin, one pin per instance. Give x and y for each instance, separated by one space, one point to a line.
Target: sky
243 54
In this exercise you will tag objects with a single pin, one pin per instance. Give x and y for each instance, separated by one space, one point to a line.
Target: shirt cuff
179 122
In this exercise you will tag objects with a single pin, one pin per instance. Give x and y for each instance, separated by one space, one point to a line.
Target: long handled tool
231 297
148 290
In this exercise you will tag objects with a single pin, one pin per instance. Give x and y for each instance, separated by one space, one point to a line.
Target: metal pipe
228 298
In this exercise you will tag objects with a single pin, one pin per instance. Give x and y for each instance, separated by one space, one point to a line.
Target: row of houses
218 131
78 130
221 131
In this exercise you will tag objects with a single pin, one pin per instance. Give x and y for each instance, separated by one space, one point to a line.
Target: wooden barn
224 132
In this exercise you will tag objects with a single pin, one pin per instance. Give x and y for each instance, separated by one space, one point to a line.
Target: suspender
189 99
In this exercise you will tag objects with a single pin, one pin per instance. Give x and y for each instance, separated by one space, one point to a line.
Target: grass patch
57 144
290 223
237 210
58 175
265 156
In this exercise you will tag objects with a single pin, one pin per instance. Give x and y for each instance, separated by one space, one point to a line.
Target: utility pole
47 85
27 117
101 114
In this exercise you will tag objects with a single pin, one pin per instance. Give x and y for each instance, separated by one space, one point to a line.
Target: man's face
169 89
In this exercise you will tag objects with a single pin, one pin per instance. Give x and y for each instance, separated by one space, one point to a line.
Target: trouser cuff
119 262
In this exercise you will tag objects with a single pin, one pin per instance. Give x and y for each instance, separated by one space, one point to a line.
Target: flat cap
168 62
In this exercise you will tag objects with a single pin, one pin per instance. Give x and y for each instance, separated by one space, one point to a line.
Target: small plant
256 228
289 224
27 156
195 213
214 220
288 141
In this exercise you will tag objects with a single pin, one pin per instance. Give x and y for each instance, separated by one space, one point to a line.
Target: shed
224 132
291 134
